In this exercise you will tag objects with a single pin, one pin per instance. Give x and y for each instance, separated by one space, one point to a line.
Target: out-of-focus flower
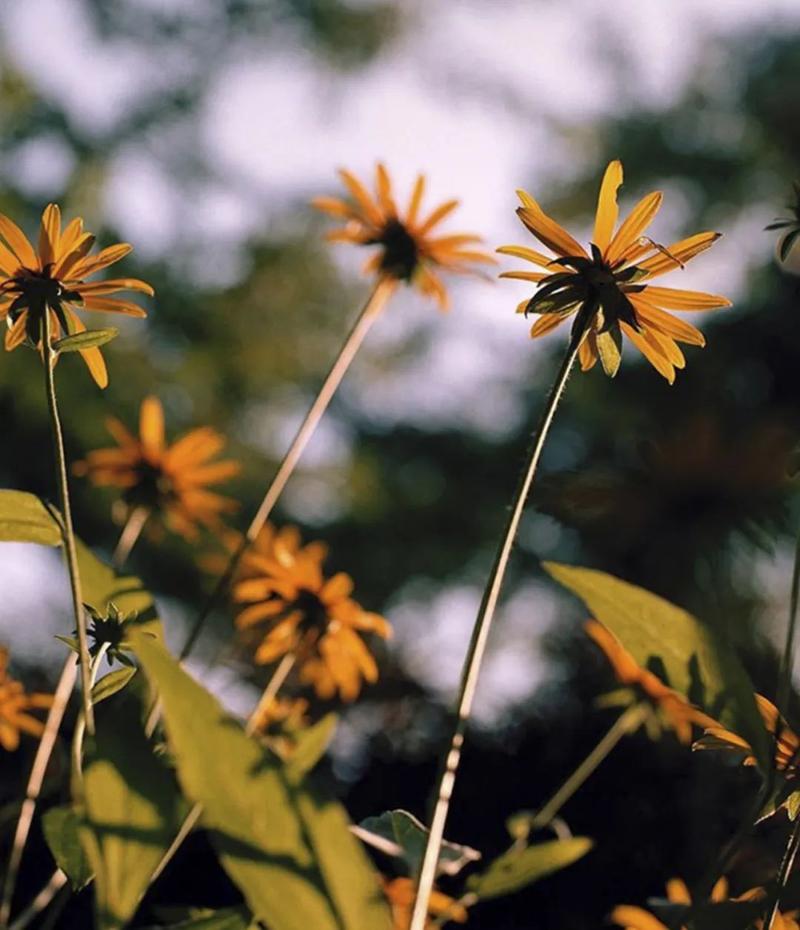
608 286
637 918
671 710
790 233
54 276
408 250
170 482
400 893
15 705
787 744
306 614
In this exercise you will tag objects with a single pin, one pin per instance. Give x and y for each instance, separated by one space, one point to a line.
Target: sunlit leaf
112 683
310 747
697 663
24 518
60 826
86 340
517 868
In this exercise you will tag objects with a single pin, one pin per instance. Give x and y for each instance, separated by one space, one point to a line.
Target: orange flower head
609 285
312 617
672 709
442 909
170 482
408 250
787 744
637 918
15 707
53 276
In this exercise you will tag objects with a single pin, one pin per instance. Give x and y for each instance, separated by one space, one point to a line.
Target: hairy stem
480 632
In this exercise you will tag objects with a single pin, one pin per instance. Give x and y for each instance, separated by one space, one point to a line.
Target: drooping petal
633 226
530 255
666 322
653 355
635 918
548 231
18 242
587 353
607 210
92 356
674 299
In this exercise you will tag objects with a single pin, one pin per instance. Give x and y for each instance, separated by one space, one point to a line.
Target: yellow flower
637 918
672 709
787 745
608 288
54 275
14 707
307 615
408 251
441 909
169 482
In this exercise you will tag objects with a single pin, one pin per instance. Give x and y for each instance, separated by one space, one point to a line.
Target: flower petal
18 242
548 231
683 250
530 255
673 299
633 226
151 428
653 355
607 210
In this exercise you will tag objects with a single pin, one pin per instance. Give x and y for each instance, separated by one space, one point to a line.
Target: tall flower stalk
606 289
408 252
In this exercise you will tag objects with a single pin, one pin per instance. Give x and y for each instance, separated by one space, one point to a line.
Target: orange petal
151 428
607 210
18 242
548 231
633 226
674 299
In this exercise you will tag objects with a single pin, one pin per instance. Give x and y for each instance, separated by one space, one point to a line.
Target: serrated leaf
518 868
410 836
132 810
696 661
86 340
60 826
112 683
310 746
250 810
24 518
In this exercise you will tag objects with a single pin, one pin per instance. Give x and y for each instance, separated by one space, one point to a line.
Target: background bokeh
198 130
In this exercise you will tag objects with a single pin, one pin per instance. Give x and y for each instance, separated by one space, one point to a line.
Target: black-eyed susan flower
608 286
786 742
670 710
637 918
306 615
169 482
408 250
401 893
54 276
15 707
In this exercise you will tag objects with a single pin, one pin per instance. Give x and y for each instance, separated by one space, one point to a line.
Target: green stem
628 722
270 692
80 726
369 313
480 632
70 550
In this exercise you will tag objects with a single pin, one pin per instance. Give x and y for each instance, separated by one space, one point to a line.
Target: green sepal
86 340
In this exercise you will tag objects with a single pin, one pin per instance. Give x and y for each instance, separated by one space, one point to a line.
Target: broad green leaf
86 340
24 518
697 662
111 683
132 810
516 869
409 836
60 826
346 869
247 804
310 747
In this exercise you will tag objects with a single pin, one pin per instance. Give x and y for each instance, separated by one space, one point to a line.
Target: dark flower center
315 614
153 489
34 291
400 253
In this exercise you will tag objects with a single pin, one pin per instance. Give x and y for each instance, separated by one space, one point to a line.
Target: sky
473 94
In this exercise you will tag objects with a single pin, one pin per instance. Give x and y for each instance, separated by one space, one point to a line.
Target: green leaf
24 518
132 810
60 826
111 683
86 340
409 836
250 809
697 663
516 869
310 747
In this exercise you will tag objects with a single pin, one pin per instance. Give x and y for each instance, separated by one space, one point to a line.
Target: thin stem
787 660
270 692
480 632
130 534
628 722
372 308
80 726
70 550
66 683
55 883
783 873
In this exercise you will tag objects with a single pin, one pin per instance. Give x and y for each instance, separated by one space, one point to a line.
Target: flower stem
70 550
274 685
66 683
627 723
80 726
372 308
783 874
129 536
483 623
